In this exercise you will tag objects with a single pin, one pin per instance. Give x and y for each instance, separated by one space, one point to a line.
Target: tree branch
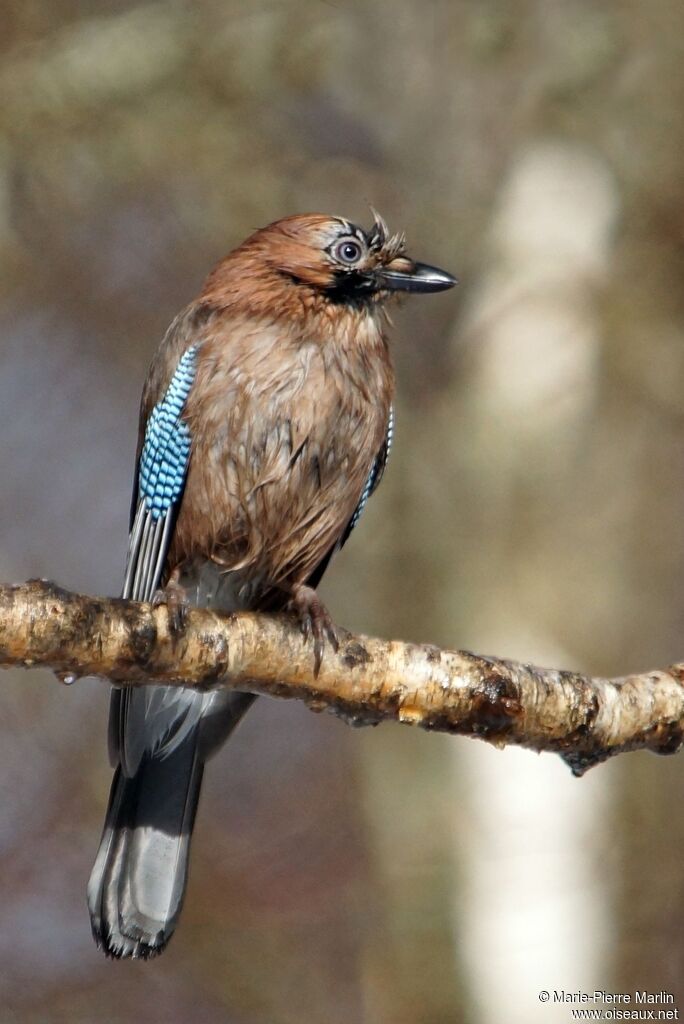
585 720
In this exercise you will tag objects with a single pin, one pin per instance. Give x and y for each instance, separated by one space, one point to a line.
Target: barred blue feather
161 478
166 449
375 475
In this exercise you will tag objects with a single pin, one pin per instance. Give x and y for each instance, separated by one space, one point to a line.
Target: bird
266 421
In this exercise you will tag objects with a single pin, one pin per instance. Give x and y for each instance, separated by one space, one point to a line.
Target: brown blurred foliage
532 507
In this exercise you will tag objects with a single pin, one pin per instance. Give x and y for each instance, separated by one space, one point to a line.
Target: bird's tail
136 887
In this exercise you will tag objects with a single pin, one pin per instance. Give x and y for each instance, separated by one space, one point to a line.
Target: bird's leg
314 620
173 595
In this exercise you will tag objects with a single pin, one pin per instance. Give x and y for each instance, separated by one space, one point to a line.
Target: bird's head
341 261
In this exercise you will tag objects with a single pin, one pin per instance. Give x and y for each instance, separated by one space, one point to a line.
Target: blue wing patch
162 467
375 475
166 449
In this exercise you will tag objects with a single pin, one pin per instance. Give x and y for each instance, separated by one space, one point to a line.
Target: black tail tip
121 947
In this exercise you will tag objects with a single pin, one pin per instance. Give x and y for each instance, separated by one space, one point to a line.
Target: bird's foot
314 621
173 595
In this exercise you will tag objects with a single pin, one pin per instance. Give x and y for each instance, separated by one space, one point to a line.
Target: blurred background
532 507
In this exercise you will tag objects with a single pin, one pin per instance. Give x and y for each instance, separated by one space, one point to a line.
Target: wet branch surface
585 720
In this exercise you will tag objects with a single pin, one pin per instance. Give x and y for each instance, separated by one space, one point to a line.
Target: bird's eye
348 250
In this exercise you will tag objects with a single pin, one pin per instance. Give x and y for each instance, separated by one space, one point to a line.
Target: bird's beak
403 275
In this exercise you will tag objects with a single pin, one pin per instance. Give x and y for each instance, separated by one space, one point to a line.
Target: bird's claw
314 621
175 599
